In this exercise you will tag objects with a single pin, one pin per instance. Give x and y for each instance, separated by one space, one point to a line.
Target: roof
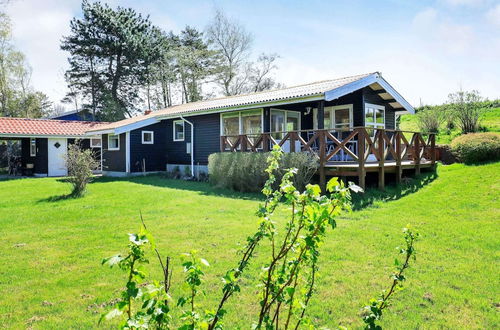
17 127
321 90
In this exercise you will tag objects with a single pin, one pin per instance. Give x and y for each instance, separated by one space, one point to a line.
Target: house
44 142
331 118
82 114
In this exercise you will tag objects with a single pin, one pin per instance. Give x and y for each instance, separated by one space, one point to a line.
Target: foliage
244 171
80 163
430 119
288 277
373 312
477 147
235 73
467 110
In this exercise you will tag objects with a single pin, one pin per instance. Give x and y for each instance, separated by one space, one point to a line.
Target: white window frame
332 110
152 137
374 123
183 130
92 145
240 120
286 116
118 138
32 147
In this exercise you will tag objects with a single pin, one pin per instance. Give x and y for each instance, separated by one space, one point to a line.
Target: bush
477 147
245 171
80 165
430 119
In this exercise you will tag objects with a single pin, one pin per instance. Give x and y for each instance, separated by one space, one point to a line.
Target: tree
465 105
195 62
111 52
233 43
80 163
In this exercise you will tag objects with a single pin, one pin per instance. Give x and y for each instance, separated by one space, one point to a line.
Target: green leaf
205 262
332 184
112 314
112 261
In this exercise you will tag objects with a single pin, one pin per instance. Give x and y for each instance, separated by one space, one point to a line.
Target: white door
57 149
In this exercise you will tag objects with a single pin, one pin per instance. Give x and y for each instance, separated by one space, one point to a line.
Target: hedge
477 147
244 171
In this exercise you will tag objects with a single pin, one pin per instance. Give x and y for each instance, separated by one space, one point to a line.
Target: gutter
192 144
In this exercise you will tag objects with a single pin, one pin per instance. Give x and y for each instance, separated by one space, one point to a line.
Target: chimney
147 112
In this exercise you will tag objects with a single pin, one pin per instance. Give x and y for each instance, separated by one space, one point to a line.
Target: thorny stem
129 309
309 294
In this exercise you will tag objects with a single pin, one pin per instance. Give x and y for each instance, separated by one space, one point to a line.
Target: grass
50 274
489 120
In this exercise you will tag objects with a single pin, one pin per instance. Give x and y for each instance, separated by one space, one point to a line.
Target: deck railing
358 146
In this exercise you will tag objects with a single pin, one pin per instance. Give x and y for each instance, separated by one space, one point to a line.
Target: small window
113 142
33 147
95 142
147 137
179 130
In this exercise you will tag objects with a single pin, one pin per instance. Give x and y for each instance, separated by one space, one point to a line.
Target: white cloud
493 15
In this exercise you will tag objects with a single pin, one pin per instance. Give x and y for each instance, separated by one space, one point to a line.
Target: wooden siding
370 96
206 139
41 160
154 155
113 160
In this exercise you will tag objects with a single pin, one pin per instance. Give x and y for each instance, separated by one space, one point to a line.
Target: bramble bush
287 279
245 171
477 147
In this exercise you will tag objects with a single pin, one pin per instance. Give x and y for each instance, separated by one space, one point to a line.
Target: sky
425 49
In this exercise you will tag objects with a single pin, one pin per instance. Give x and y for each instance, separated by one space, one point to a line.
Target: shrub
80 165
477 147
430 119
245 171
467 109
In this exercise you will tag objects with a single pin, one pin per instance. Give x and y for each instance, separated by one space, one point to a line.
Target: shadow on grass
392 192
57 198
203 188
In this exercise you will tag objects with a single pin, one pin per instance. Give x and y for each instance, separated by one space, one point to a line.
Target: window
113 142
95 142
148 137
374 117
241 122
33 147
337 117
284 121
178 130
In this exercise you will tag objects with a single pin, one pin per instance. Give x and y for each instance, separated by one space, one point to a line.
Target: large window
113 142
284 121
178 130
337 117
33 147
242 122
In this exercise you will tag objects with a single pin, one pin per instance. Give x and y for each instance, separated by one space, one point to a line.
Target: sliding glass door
283 121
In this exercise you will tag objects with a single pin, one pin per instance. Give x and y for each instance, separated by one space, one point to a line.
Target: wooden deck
349 153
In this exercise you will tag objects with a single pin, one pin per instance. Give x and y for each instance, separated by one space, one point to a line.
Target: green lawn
50 274
490 120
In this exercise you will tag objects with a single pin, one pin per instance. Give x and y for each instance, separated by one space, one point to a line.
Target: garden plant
287 279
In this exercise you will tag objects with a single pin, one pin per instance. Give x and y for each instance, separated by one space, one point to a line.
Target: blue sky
425 49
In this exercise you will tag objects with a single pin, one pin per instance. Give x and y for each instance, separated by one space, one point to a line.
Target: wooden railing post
381 161
322 160
222 143
243 139
399 170
292 141
417 153
361 157
265 142
433 150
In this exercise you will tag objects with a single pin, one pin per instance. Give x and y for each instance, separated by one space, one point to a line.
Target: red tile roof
45 127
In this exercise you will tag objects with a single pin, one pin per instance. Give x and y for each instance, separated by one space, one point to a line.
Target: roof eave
367 81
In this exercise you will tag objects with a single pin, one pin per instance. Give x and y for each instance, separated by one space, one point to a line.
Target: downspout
192 144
